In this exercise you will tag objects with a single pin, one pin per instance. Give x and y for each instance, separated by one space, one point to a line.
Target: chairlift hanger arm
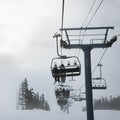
56 35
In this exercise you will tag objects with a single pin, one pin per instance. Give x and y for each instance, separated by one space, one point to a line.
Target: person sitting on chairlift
63 74
56 73
57 93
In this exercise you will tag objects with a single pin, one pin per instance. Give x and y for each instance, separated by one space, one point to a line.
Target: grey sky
27 46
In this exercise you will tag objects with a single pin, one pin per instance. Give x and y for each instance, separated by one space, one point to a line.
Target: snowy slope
43 115
57 115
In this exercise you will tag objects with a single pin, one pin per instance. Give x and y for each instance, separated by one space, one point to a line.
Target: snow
44 115
56 114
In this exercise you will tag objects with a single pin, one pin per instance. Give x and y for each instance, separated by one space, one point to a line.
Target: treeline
105 103
28 99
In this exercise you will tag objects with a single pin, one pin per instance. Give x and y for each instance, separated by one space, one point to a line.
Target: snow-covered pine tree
27 99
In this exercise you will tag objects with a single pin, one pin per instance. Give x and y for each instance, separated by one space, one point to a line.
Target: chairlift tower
87 56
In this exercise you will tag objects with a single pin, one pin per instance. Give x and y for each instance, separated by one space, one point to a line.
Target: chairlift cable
102 57
88 25
85 32
86 20
89 13
100 60
95 12
97 64
93 16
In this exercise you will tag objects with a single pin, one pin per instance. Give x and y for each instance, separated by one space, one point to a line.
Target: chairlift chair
77 98
61 66
99 83
61 95
62 91
80 97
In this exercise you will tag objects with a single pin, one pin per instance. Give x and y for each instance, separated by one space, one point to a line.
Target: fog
27 46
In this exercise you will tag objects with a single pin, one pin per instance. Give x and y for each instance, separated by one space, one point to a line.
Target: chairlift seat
77 99
67 71
99 87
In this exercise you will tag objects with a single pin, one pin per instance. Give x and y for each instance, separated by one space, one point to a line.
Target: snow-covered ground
75 114
43 115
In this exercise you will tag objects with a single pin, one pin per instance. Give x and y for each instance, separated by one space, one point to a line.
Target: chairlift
99 83
62 67
62 91
79 97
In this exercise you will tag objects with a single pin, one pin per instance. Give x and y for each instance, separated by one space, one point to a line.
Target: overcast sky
27 46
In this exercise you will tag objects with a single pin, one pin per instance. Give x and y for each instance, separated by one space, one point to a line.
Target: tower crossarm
82 46
105 44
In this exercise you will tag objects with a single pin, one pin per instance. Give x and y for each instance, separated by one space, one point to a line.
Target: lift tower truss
87 47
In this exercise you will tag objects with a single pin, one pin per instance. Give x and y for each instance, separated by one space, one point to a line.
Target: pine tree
105 103
30 100
22 94
47 107
42 101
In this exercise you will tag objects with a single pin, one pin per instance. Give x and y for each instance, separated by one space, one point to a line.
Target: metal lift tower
87 56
